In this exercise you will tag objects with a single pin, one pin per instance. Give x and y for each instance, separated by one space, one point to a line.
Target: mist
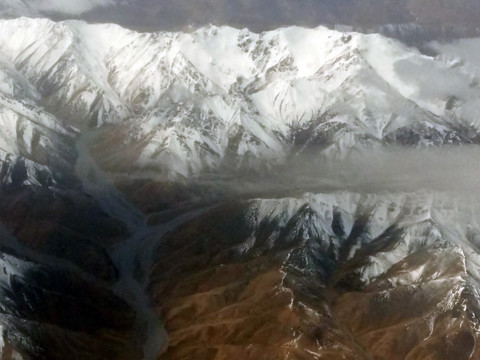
396 169
451 169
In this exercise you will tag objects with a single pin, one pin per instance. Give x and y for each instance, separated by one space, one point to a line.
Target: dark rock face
417 135
51 313
65 224
56 278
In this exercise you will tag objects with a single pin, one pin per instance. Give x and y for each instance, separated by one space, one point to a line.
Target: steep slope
324 276
35 146
51 307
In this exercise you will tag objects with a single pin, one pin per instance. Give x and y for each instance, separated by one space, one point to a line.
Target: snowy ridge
184 103
348 225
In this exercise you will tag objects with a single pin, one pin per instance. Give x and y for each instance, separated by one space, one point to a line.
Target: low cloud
71 8
449 169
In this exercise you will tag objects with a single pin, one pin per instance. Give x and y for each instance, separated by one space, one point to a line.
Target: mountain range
179 195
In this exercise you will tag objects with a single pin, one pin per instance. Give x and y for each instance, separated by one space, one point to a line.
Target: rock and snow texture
281 278
180 104
32 141
184 103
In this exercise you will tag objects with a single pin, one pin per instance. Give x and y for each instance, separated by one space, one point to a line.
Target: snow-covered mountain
330 275
295 271
185 103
